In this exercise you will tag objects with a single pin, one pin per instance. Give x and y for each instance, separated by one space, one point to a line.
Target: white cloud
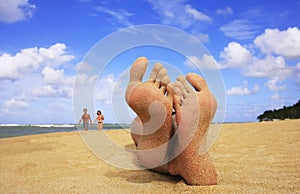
13 67
121 16
225 11
206 62
238 90
55 55
53 91
235 55
239 29
16 103
105 89
52 76
46 90
269 67
178 12
272 84
275 97
15 10
30 59
57 84
285 43
83 79
83 66
197 15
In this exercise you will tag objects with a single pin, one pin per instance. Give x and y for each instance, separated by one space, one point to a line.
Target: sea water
13 130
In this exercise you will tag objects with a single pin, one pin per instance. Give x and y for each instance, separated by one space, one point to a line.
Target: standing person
86 118
100 119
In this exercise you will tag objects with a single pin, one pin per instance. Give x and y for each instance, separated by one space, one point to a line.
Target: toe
164 83
162 78
180 91
138 69
171 90
186 85
137 72
177 108
196 81
153 76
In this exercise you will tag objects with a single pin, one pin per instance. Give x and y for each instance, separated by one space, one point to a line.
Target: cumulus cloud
269 67
206 62
272 84
20 101
178 12
242 90
30 59
16 103
83 79
52 76
285 43
105 89
15 10
240 29
55 55
57 84
235 55
53 91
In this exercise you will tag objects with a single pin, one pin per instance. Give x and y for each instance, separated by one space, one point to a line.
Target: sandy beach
249 158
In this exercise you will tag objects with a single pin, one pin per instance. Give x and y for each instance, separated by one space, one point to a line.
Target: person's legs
195 108
85 126
152 101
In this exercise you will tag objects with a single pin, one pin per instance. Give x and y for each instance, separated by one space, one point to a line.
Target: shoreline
248 157
107 129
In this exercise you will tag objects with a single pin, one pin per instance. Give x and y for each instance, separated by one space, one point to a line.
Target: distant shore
249 158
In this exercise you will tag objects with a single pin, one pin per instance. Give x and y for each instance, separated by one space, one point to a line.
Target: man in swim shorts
86 118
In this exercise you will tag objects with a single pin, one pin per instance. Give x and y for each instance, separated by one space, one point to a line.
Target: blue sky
44 45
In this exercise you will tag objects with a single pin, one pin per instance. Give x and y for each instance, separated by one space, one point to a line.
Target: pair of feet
172 144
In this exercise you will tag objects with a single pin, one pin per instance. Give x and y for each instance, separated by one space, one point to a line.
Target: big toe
137 72
196 81
138 69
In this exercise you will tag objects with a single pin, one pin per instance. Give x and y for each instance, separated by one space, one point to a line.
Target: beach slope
249 157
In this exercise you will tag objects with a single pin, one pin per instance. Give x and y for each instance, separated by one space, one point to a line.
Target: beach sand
249 158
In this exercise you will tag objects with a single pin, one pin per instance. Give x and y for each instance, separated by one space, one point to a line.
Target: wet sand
249 158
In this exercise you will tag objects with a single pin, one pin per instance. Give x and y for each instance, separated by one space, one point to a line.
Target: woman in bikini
100 119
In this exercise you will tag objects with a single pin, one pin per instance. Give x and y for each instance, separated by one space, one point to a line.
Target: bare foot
195 108
152 101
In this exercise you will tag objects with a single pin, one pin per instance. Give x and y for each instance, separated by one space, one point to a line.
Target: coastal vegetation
287 112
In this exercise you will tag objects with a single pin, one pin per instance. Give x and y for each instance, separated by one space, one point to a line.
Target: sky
54 54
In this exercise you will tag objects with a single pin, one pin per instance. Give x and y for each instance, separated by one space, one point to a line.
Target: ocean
13 130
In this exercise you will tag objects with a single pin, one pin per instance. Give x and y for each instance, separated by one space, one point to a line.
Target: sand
249 158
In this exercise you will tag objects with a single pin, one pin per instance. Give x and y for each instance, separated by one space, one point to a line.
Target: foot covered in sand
195 107
152 101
